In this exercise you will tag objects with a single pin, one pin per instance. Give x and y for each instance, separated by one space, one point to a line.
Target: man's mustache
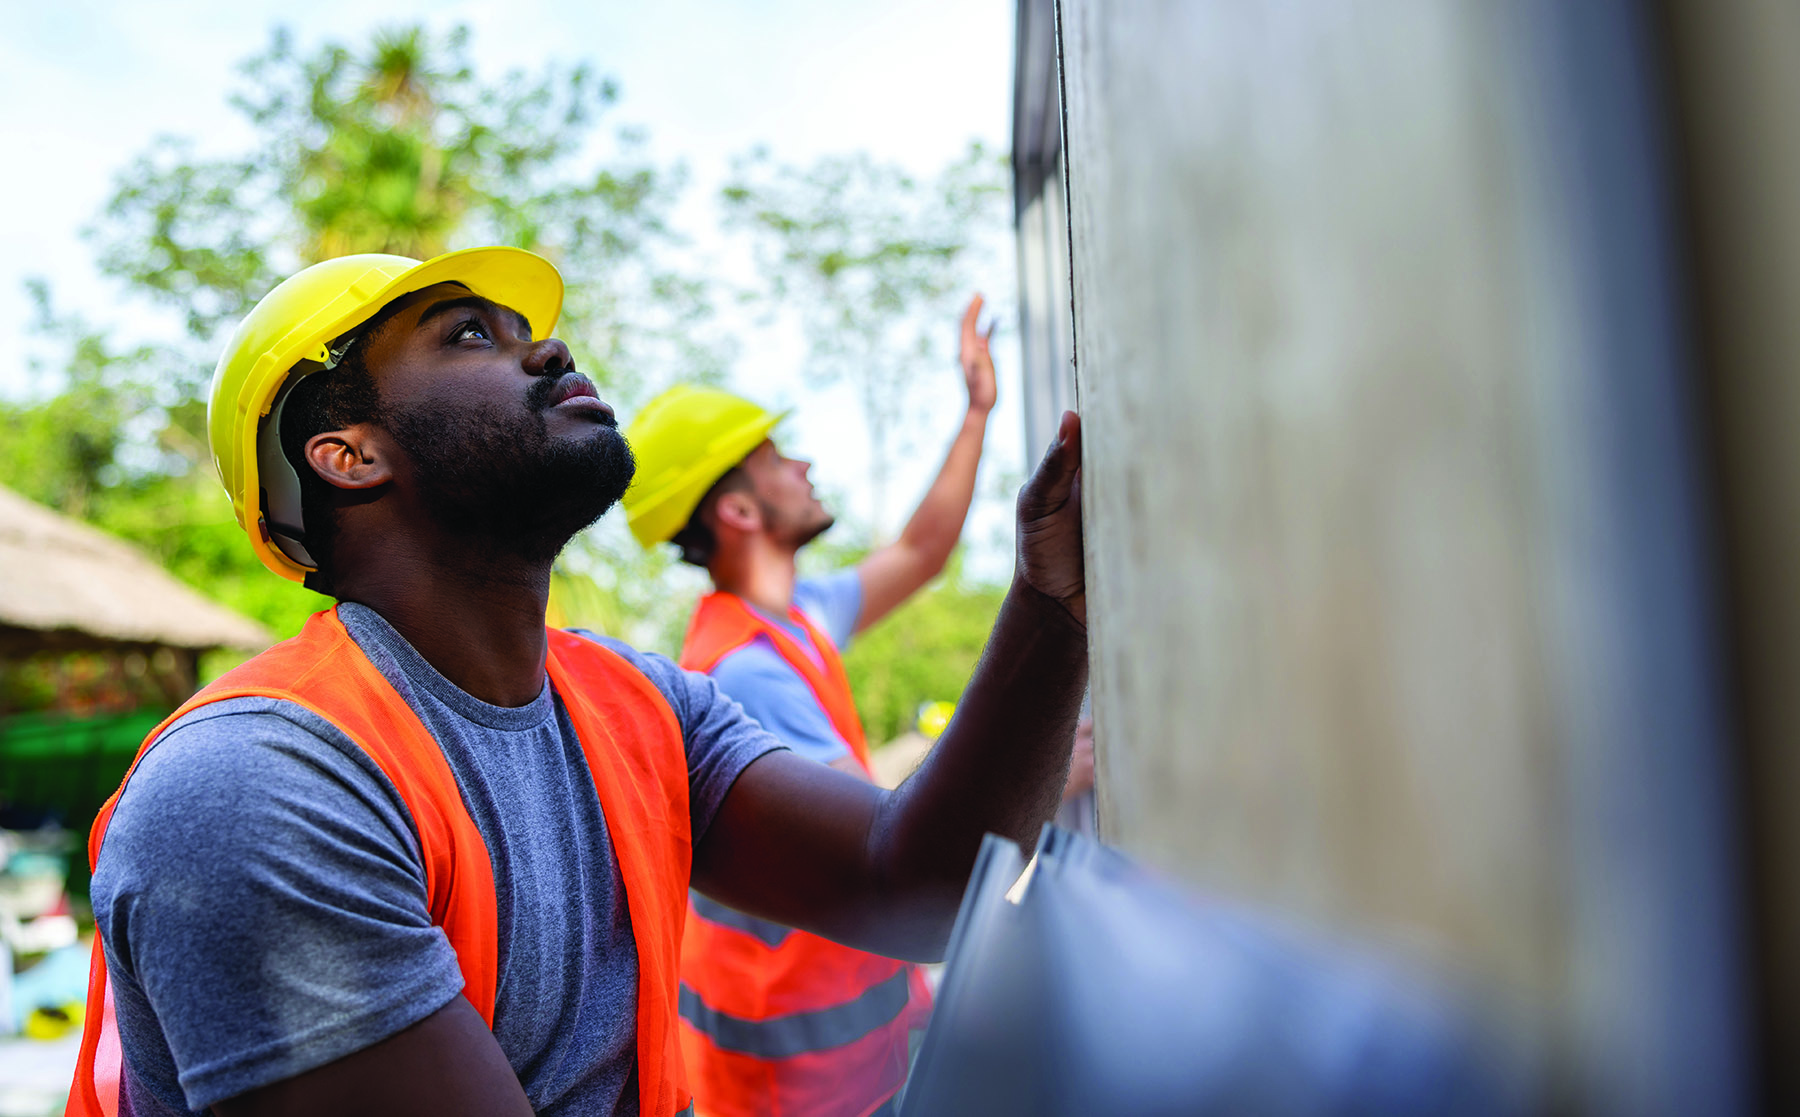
547 391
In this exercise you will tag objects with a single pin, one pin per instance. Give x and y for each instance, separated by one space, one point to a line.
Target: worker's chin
581 482
512 489
597 467
818 527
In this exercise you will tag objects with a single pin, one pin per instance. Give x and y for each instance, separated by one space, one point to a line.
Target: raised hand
977 362
1050 559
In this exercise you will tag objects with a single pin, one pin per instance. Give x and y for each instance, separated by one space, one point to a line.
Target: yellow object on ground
934 717
685 440
54 1023
303 326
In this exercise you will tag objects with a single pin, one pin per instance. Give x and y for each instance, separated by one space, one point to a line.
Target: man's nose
549 356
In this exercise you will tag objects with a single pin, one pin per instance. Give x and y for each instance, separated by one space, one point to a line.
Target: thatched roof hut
67 586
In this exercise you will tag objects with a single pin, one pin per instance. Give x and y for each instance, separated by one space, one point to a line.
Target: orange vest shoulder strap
324 671
724 623
721 624
635 749
633 746
833 686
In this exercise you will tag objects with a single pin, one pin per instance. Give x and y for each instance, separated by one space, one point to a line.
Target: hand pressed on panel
1050 558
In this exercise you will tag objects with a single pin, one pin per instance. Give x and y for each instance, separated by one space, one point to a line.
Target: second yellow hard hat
684 441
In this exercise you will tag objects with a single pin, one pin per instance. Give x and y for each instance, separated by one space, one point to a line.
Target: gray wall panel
1402 622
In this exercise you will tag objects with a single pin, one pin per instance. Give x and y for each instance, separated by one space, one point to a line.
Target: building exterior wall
1049 381
1403 618
1041 219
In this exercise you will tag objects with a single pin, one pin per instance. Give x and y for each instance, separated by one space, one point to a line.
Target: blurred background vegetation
921 653
398 145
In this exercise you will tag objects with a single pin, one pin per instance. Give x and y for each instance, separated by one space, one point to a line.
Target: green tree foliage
872 261
62 451
922 652
398 147
402 147
119 449
645 597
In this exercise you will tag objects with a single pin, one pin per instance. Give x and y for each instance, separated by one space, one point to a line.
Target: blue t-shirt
262 899
769 688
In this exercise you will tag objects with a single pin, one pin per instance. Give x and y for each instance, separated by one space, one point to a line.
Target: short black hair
696 540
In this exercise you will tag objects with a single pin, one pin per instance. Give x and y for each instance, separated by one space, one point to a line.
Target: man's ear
352 458
737 511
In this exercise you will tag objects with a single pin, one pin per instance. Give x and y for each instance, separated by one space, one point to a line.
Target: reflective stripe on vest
767 932
780 1037
775 1019
634 749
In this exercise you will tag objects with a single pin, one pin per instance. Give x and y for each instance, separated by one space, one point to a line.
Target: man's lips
575 392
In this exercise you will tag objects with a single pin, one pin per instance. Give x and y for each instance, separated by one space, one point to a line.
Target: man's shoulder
616 646
766 685
254 838
770 690
720 741
832 585
249 743
241 722
232 783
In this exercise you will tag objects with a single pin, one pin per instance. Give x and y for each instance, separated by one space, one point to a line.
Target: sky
85 86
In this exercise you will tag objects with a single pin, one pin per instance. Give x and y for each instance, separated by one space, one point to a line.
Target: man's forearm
895 572
1000 765
937 523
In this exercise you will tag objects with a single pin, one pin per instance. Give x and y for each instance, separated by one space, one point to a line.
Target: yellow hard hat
289 335
684 440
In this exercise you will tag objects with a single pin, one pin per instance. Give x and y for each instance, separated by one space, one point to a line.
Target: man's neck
762 575
481 625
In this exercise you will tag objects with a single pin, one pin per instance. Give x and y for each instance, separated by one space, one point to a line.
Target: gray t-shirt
262 898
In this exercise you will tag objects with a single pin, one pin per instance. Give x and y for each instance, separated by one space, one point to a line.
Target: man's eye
468 329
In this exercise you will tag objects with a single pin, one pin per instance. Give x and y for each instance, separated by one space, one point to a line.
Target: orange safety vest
774 1021
633 746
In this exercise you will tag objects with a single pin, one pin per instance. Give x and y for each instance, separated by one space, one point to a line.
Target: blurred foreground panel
1437 364
1094 987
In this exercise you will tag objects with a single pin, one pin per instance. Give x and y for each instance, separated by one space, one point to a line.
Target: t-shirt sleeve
771 692
720 738
833 602
262 902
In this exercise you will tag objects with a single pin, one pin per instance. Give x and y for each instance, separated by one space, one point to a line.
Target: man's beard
795 532
499 479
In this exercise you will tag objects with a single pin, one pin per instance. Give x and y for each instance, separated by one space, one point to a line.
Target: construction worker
757 997
430 857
